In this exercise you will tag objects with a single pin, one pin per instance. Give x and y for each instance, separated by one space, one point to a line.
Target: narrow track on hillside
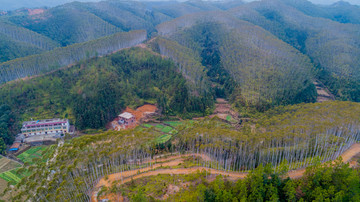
127 176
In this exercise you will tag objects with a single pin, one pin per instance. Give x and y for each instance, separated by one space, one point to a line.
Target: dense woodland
332 46
236 56
7 120
286 137
93 92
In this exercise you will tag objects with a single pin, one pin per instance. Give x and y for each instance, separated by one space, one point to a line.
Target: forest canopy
93 92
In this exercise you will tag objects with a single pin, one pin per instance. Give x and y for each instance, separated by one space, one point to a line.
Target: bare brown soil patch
223 110
323 93
35 11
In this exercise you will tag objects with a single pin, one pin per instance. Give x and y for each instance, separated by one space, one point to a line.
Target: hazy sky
356 2
15 4
333 1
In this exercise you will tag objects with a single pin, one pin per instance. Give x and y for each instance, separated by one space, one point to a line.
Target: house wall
48 129
124 121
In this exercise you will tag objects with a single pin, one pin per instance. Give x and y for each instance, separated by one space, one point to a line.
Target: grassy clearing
228 118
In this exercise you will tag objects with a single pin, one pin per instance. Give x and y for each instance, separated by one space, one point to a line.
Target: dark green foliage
94 92
211 59
7 120
250 74
336 182
342 88
11 49
2 146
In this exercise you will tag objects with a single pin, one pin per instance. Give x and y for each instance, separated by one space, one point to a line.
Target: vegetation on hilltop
64 56
188 64
333 47
239 56
11 49
66 25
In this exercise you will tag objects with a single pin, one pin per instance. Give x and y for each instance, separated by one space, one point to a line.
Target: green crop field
28 156
166 129
173 123
32 153
159 126
12 176
147 125
163 138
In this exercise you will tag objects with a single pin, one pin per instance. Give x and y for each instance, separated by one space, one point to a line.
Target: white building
126 118
45 127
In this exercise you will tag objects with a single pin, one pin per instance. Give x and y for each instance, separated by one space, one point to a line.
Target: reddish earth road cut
127 176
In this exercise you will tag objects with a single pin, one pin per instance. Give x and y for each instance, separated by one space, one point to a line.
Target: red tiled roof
15 145
39 124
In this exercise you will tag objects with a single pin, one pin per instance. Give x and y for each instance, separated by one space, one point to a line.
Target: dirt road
175 160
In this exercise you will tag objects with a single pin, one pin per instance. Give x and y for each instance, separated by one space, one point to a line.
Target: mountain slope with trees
60 57
268 71
93 92
333 47
66 24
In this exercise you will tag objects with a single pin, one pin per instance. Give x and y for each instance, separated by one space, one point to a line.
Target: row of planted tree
295 134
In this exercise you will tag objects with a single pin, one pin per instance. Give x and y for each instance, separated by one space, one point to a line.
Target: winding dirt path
175 160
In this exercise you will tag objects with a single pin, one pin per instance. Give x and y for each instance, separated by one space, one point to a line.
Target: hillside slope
333 47
268 71
60 57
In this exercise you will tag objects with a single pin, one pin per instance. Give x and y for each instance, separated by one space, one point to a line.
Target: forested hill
93 92
332 46
53 60
80 22
238 54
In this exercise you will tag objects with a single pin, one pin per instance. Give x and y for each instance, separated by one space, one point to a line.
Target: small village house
126 119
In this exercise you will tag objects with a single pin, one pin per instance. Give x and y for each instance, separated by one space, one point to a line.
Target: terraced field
165 129
31 154
7 164
9 168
